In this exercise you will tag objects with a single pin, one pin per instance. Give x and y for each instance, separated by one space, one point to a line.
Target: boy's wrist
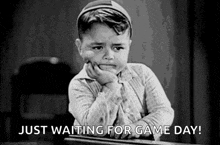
113 86
112 91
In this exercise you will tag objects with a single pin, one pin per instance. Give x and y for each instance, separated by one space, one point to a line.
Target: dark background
178 39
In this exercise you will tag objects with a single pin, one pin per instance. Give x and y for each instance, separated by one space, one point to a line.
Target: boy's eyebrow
118 44
100 43
96 43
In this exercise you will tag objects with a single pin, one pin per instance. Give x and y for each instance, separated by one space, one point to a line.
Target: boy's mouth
106 66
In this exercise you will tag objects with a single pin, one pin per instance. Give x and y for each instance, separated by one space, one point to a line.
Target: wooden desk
87 140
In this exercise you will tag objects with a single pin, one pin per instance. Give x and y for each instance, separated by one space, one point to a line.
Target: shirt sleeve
161 114
90 110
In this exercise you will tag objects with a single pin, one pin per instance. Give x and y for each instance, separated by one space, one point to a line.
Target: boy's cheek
87 56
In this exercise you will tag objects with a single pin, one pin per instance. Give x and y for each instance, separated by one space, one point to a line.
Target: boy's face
102 46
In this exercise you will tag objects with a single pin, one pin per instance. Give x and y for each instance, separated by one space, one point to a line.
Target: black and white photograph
109 72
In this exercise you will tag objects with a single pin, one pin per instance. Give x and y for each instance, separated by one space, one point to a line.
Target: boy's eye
97 47
118 48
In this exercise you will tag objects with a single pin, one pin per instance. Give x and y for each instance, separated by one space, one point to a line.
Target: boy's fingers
117 135
124 135
86 60
130 136
89 70
97 69
94 71
112 133
89 73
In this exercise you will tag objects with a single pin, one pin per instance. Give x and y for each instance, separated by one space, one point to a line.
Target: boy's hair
104 12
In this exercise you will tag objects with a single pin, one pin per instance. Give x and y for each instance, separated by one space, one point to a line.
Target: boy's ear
78 44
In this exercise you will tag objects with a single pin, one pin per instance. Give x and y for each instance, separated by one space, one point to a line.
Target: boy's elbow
170 115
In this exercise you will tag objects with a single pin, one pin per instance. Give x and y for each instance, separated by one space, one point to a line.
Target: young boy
108 91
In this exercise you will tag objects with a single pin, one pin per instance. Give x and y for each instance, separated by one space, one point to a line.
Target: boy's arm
92 110
159 108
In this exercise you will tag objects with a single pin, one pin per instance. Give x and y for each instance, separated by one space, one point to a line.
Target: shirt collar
125 75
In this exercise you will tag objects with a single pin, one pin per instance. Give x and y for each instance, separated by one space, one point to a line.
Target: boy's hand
103 77
126 134
136 131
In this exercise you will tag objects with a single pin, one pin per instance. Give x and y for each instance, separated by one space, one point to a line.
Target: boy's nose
109 54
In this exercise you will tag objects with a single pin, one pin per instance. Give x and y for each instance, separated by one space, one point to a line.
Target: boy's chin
109 70
115 70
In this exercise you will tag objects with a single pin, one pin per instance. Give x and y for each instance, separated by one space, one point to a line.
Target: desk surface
87 140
